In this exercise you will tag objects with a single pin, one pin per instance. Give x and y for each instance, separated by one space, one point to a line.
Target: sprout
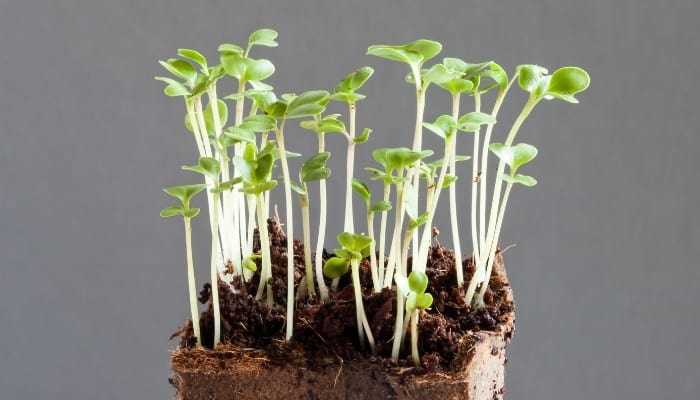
185 194
354 247
413 289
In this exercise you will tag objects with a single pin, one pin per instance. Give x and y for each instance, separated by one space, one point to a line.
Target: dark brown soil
328 331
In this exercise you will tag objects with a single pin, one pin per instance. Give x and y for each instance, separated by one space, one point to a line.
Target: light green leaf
185 192
257 70
418 281
331 125
259 123
471 122
336 267
313 175
519 178
298 188
414 53
444 126
228 48
354 81
566 82
174 88
171 211
266 186
380 206
364 136
362 189
263 37
530 76
190 213
411 302
449 179
249 264
194 55
209 116
234 64
503 152
206 166
245 168
307 104
421 220
264 166
424 300
236 135
438 74
181 69
523 153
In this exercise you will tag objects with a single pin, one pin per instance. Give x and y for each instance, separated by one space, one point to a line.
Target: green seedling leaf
471 122
348 254
223 187
171 211
346 239
414 53
331 125
181 69
524 180
259 123
185 192
362 189
438 74
530 76
421 220
264 166
195 56
424 300
411 302
259 86
315 174
234 63
206 166
380 206
418 281
449 179
402 157
503 152
523 153
276 109
498 74
458 85
266 186
364 136
352 82
353 241
444 126
209 116
336 267
298 188
455 64
263 99
249 263
173 88
566 82
476 70
380 155
263 37
307 104
190 212
258 70
228 48
235 134
245 168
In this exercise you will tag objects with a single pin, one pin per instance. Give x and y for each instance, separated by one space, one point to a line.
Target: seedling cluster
238 159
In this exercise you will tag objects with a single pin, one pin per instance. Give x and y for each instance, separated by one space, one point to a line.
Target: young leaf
363 137
521 179
259 123
424 300
566 82
194 55
235 134
331 125
411 302
443 126
264 166
449 179
438 74
523 153
380 206
362 189
263 37
234 64
471 122
421 220
249 264
258 70
346 239
206 166
414 53
354 80
245 168
171 211
266 186
348 254
503 152
297 188
209 116
418 281
530 76
185 192
181 69
190 212
336 267
311 175
174 88
228 48
498 74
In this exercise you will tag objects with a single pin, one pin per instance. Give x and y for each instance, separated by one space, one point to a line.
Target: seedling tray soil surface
462 350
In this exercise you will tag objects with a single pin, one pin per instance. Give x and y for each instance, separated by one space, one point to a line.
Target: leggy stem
322 289
363 328
215 273
194 310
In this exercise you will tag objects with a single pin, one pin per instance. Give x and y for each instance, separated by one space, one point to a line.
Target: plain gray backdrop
605 272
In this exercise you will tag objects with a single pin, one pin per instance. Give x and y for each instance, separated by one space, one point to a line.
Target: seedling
237 157
354 247
185 194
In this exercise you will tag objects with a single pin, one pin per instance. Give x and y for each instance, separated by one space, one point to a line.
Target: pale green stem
195 128
494 245
395 249
350 162
417 146
306 226
399 327
420 263
215 274
241 239
372 250
322 289
453 202
363 328
414 338
382 236
495 206
290 231
192 285
266 269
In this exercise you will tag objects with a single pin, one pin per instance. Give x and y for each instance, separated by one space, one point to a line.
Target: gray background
605 272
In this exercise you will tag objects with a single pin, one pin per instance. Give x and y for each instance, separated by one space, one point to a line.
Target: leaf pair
414 54
184 193
563 84
346 90
413 288
363 190
255 168
355 247
515 157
